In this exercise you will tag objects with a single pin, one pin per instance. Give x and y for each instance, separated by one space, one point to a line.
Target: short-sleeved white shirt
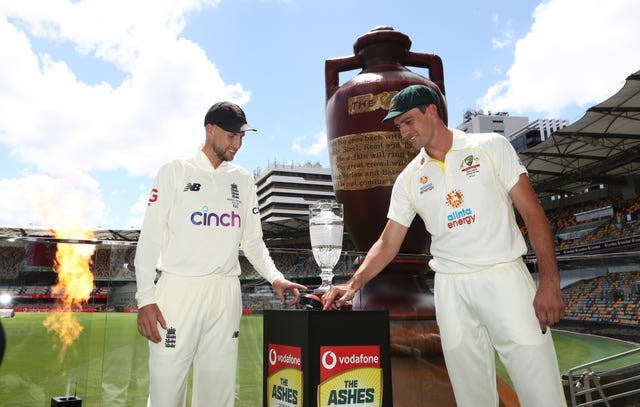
465 203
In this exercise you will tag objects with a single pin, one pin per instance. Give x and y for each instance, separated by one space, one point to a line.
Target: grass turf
107 365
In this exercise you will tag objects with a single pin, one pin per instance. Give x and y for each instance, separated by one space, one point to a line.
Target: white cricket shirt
197 219
465 203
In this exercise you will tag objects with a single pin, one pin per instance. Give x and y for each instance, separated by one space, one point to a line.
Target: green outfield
106 366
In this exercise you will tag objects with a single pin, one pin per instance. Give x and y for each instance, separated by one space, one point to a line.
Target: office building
476 121
535 133
286 191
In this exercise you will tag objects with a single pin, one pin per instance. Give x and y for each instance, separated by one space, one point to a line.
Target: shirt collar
202 161
460 140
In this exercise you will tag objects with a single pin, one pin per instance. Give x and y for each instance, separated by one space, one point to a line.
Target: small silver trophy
326 227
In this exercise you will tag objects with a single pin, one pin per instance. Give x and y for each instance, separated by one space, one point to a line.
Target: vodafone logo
329 360
272 357
336 359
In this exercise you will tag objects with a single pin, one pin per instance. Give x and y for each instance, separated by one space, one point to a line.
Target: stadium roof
600 148
100 236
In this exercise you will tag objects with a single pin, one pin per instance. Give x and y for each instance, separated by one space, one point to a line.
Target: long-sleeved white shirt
197 220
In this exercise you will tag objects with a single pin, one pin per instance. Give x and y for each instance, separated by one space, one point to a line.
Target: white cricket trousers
203 321
493 308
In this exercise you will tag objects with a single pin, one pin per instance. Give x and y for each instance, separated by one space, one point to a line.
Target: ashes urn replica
366 156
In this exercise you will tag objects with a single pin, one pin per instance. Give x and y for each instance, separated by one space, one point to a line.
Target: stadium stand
11 258
611 299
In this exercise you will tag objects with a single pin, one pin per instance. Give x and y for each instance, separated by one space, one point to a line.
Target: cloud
66 127
137 210
318 145
50 202
577 53
52 119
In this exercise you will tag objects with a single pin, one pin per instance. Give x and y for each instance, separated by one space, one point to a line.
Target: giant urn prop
367 155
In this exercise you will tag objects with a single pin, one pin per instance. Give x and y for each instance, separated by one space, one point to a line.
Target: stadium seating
610 299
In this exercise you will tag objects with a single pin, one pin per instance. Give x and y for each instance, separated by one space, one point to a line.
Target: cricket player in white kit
201 212
463 187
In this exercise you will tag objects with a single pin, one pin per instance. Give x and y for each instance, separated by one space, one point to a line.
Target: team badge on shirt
470 165
170 339
235 195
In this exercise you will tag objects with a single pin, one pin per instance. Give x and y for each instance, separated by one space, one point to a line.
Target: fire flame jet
73 287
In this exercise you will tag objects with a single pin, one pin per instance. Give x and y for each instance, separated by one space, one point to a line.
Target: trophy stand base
311 301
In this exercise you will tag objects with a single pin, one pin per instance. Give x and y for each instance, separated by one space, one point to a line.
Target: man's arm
148 251
377 258
547 303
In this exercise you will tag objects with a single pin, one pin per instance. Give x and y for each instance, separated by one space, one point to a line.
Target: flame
73 287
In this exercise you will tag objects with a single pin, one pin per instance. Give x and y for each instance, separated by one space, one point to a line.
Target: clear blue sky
96 95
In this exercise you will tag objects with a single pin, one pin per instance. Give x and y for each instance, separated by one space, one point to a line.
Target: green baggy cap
410 97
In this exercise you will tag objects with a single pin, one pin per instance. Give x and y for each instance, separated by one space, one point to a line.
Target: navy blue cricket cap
228 116
410 97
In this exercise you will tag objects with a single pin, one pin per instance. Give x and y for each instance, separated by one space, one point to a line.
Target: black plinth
315 358
71 401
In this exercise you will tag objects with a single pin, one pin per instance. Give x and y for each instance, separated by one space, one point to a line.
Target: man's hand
282 285
548 306
149 317
337 296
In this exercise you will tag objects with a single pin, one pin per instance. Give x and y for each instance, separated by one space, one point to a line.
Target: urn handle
431 62
332 69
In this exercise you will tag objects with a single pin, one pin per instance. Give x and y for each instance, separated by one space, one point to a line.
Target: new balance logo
235 334
192 187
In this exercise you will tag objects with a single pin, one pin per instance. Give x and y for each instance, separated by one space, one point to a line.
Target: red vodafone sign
350 376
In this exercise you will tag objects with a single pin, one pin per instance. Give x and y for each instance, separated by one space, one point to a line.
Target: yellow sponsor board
285 376
285 388
360 387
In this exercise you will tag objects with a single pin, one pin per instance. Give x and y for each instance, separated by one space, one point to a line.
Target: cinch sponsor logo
206 218
463 216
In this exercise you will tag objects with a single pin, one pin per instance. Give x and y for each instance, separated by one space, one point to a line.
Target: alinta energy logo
460 216
455 198
425 185
206 218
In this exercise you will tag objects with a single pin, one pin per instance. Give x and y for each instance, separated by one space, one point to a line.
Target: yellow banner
285 388
354 388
